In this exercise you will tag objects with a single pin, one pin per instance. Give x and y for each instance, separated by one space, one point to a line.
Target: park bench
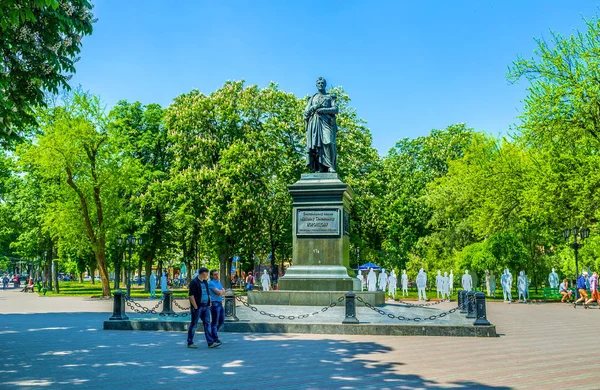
552 293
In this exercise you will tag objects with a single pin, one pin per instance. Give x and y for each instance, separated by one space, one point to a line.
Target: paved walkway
58 343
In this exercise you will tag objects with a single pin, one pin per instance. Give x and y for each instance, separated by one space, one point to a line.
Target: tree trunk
225 268
49 259
100 251
148 270
139 270
55 276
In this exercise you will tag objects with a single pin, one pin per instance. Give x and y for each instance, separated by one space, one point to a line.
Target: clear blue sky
409 66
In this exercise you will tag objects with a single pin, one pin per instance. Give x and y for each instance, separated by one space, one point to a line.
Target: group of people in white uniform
388 283
445 283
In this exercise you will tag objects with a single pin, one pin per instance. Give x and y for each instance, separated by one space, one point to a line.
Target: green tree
407 169
143 135
39 43
77 150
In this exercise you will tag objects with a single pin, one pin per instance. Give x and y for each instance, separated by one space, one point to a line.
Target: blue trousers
217 318
202 313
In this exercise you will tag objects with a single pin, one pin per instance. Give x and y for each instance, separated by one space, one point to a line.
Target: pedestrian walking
200 309
249 281
4 282
581 287
593 291
217 313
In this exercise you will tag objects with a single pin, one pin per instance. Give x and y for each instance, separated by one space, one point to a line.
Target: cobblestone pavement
59 343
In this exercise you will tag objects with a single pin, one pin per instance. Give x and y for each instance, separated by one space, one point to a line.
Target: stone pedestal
321 230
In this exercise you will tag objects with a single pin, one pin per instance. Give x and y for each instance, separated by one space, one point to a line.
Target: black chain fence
423 304
138 308
403 318
288 317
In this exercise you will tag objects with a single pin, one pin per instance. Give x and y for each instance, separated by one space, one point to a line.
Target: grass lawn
87 289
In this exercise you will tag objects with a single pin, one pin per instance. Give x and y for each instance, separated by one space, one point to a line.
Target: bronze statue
321 129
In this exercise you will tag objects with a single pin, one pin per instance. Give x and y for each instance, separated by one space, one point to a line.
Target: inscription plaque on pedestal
318 222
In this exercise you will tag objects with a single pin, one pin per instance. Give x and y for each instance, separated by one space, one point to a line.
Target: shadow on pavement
65 350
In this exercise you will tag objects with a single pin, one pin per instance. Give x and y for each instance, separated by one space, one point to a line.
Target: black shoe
574 304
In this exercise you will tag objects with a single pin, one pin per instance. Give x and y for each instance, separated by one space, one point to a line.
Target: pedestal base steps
305 328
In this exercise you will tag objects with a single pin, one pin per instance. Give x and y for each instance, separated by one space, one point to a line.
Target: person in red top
250 281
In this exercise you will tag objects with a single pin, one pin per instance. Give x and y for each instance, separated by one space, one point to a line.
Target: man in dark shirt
200 309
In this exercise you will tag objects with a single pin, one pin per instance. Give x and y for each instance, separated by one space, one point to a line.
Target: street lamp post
130 241
582 233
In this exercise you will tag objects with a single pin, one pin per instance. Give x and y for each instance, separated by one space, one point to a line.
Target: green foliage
39 43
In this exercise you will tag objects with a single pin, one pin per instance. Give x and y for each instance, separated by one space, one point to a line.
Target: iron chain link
415 319
423 304
290 317
138 308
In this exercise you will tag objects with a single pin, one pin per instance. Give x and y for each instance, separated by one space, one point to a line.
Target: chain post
230 315
480 311
167 304
471 304
350 317
119 307
462 301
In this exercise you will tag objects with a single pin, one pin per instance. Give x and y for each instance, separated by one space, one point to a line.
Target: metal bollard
230 307
119 307
167 303
350 317
471 304
480 312
462 300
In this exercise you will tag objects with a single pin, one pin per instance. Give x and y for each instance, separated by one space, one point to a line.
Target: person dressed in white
553 279
371 280
522 286
438 283
467 281
153 285
490 283
445 286
361 278
451 285
404 281
422 284
382 281
392 282
506 281
265 281
163 284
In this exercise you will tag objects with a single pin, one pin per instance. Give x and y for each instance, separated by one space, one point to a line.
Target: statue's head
445 273
439 272
421 270
522 273
404 271
321 84
552 269
466 272
265 272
